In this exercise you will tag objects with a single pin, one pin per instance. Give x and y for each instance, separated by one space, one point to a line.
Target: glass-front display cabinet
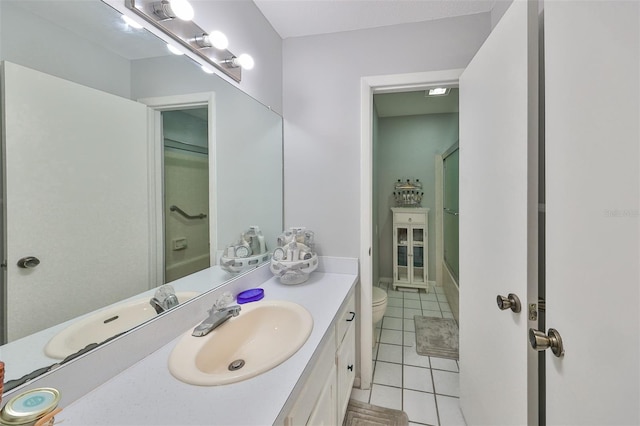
410 244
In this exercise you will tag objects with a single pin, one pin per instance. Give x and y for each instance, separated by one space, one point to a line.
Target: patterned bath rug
436 337
361 414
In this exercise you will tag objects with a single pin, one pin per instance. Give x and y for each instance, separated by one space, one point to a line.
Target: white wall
498 11
322 113
58 52
248 32
62 53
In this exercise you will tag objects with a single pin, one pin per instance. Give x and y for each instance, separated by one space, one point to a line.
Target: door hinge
534 308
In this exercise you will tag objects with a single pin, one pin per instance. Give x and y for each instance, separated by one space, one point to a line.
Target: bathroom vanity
323 397
314 382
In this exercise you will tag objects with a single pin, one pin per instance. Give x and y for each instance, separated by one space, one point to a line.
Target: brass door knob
540 342
510 302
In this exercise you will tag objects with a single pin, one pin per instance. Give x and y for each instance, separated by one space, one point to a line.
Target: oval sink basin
262 336
104 324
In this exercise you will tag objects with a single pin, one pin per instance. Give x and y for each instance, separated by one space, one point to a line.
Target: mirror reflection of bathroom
186 192
415 220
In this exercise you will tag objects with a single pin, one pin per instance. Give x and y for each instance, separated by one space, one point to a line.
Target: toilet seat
378 297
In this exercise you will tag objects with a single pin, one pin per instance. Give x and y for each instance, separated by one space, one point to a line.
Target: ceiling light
170 9
245 61
218 40
130 22
174 49
205 48
438 91
214 39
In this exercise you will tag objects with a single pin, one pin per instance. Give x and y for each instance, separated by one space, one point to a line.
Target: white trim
156 173
156 211
439 224
369 86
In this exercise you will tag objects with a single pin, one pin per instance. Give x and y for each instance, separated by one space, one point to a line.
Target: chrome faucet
164 298
216 319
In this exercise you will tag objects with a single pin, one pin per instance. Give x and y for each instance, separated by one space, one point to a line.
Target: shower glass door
451 213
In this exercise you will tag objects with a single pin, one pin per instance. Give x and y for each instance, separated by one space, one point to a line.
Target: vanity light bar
189 36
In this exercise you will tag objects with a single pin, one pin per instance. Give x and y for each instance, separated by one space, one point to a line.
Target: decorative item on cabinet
408 194
410 247
249 252
294 259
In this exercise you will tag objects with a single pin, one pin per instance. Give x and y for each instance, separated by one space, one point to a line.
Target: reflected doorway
186 192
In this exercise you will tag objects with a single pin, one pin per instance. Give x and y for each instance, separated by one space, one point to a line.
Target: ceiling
414 103
296 18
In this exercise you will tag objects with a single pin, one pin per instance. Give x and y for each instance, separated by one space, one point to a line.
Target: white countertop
147 393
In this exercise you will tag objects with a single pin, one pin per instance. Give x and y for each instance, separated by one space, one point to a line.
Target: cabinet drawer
346 319
409 218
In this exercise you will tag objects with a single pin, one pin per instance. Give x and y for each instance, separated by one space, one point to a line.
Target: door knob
539 341
28 262
510 302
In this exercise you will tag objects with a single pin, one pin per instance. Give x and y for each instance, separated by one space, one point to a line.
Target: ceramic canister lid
29 406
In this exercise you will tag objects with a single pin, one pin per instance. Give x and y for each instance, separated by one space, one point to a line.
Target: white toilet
379 305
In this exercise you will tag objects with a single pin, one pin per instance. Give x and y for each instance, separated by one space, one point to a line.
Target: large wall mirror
124 168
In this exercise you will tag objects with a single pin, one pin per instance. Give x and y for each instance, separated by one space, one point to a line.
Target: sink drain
236 365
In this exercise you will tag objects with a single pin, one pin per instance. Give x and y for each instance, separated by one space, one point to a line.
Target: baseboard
385 280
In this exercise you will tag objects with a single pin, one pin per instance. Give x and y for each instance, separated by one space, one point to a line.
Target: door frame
156 174
369 86
442 270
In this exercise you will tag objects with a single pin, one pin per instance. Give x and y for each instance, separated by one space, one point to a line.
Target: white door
592 80
76 198
498 222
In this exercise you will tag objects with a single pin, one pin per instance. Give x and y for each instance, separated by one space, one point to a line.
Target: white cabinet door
592 62
70 151
324 413
346 373
498 220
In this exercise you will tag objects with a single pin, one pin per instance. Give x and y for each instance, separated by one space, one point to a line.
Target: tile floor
424 387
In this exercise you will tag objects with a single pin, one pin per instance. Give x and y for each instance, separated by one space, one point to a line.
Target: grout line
440 298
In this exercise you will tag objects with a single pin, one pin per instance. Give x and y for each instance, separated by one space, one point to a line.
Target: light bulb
245 61
207 69
218 40
130 22
182 9
174 50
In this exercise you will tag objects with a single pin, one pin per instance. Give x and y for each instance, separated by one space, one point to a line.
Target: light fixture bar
186 34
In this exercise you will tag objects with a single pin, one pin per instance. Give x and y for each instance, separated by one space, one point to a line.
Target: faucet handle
223 301
233 310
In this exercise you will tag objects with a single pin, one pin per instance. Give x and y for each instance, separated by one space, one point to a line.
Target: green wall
405 149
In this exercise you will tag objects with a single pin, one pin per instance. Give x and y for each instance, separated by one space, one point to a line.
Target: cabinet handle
353 315
350 367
